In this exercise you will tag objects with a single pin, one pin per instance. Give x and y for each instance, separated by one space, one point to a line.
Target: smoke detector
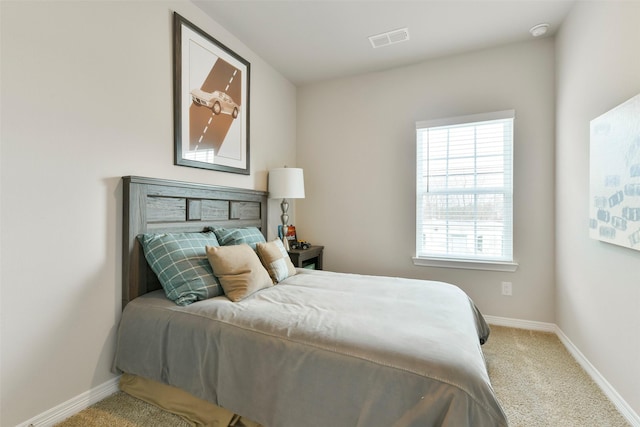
539 30
390 37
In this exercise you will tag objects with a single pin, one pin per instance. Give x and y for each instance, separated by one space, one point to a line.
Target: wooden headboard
153 205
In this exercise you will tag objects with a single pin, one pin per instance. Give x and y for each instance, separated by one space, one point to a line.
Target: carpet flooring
539 383
536 380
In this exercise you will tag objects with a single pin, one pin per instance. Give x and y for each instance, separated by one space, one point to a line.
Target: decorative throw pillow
236 236
239 270
276 260
180 262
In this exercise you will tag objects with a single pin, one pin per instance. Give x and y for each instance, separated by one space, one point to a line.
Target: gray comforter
322 349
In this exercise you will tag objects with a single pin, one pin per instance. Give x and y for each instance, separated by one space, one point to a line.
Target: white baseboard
521 324
609 391
73 405
627 412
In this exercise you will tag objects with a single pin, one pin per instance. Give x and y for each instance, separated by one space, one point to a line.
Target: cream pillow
238 269
276 260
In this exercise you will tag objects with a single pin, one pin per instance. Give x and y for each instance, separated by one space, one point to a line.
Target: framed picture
211 102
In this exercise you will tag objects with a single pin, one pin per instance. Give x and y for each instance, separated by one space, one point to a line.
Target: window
464 198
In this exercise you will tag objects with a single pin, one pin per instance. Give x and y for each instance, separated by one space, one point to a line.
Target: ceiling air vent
391 37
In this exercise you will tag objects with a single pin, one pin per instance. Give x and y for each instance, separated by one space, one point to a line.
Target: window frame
505 263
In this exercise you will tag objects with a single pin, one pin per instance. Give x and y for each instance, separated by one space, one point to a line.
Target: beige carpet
122 410
536 380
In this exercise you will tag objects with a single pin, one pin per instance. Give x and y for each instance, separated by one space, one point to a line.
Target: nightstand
307 258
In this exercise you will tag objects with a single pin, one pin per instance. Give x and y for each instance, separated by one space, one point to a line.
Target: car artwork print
211 102
219 102
615 175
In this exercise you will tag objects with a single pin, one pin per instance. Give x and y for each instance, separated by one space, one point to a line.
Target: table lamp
286 183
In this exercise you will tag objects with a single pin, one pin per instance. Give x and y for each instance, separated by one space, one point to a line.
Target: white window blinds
464 188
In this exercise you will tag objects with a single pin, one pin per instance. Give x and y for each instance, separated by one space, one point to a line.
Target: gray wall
356 143
598 284
87 98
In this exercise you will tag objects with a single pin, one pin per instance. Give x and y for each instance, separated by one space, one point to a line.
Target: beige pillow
276 260
238 269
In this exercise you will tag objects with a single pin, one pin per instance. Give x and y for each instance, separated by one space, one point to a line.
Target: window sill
465 264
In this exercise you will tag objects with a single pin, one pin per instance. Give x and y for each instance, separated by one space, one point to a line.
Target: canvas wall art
615 175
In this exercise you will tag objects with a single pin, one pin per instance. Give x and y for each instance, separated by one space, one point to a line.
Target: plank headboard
153 205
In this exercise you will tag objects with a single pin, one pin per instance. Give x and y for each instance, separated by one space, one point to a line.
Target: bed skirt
195 411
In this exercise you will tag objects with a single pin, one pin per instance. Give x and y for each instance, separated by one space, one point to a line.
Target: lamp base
284 205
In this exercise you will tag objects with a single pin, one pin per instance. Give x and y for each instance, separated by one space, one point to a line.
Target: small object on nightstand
307 258
300 244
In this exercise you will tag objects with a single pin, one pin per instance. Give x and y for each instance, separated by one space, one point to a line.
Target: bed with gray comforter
322 349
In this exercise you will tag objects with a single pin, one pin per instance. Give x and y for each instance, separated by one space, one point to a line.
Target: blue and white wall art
614 212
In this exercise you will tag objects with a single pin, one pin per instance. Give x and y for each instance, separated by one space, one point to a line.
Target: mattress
321 349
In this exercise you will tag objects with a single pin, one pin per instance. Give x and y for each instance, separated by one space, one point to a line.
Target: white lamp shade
286 183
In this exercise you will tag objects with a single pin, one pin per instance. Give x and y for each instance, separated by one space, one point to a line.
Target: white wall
87 98
356 142
598 284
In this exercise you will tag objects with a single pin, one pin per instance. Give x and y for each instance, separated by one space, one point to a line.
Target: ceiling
313 40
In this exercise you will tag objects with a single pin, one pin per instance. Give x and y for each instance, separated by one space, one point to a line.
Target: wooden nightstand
307 258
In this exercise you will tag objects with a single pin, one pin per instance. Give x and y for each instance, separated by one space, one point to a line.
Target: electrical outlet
506 289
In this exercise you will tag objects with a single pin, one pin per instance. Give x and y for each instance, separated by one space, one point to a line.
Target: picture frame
211 102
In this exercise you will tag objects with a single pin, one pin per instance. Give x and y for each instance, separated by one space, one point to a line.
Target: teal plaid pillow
180 262
236 236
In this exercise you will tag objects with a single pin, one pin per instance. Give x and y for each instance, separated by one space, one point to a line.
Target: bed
319 348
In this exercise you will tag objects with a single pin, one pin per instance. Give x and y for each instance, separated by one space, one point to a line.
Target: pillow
276 260
238 269
237 236
180 262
